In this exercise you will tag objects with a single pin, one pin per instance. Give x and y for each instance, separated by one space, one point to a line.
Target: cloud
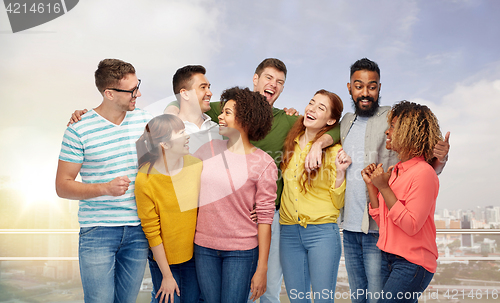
470 112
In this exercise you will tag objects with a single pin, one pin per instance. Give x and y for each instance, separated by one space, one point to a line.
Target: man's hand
76 116
442 148
253 215
118 186
314 157
291 111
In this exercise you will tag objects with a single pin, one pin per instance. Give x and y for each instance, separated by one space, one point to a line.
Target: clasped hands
374 175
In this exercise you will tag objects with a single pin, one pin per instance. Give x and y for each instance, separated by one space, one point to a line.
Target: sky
445 54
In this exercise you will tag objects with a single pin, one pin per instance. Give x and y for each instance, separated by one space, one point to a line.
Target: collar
401 167
206 119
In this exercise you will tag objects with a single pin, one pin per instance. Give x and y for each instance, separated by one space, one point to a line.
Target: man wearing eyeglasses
101 148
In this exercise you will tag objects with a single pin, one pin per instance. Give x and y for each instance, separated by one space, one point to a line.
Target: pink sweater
228 195
408 229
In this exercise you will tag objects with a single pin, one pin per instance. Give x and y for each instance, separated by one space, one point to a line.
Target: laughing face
318 113
201 88
178 143
364 89
388 133
228 126
270 83
124 100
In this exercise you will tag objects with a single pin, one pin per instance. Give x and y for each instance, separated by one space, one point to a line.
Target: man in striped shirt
101 148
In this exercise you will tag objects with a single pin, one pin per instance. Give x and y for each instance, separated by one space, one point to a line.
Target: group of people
225 199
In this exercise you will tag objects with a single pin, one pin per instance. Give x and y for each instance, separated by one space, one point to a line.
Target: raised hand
342 161
442 148
380 178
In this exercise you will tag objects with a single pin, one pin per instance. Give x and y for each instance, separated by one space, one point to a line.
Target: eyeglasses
133 92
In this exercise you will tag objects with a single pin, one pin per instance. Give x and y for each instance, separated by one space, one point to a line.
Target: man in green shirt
269 80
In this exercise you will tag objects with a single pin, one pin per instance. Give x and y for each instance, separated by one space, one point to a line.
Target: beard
366 112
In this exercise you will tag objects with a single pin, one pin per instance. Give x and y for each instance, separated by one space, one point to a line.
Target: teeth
269 91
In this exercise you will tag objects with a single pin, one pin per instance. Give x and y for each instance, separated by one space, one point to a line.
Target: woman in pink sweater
236 178
402 202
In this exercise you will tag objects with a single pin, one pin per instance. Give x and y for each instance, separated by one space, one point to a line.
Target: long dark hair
158 130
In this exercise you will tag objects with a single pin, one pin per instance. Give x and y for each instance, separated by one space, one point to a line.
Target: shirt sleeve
214 111
174 103
337 194
146 210
375 212
265 194
335 134
411 211
72 148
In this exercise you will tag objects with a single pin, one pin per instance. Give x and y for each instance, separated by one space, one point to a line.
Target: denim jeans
310 257
185 276
112 262
363 263
403 281
225 276
274 272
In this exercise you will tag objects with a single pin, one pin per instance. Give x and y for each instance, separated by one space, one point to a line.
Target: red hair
298 129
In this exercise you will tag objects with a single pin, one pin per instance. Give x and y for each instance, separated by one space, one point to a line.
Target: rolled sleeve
266 194
375 213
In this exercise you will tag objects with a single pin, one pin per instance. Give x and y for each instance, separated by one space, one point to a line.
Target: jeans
185 276
225 276
112 262
363 262
274 272
403 281
310 256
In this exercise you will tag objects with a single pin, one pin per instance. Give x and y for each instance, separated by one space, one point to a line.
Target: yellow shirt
168 207
322 201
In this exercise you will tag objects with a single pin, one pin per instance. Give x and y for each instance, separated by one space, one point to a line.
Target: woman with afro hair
402 202
231 251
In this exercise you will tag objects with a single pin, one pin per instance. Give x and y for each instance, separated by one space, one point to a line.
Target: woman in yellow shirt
310 246
166 190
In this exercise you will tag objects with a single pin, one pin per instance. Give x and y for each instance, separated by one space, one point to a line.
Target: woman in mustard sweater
310 245
166 190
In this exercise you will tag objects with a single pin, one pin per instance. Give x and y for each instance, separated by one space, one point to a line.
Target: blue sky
445 54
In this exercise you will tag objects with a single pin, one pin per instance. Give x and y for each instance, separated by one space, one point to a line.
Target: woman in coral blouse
310 245
402 202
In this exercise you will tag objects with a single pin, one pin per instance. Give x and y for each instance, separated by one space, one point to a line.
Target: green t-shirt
273 142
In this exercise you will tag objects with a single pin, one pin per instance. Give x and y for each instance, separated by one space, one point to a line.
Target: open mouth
269 93
310 117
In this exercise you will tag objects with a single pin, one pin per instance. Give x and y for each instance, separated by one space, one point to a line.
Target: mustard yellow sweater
167 207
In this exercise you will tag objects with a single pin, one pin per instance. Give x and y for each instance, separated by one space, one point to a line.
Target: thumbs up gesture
442 148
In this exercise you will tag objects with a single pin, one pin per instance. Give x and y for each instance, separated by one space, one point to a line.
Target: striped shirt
106 151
